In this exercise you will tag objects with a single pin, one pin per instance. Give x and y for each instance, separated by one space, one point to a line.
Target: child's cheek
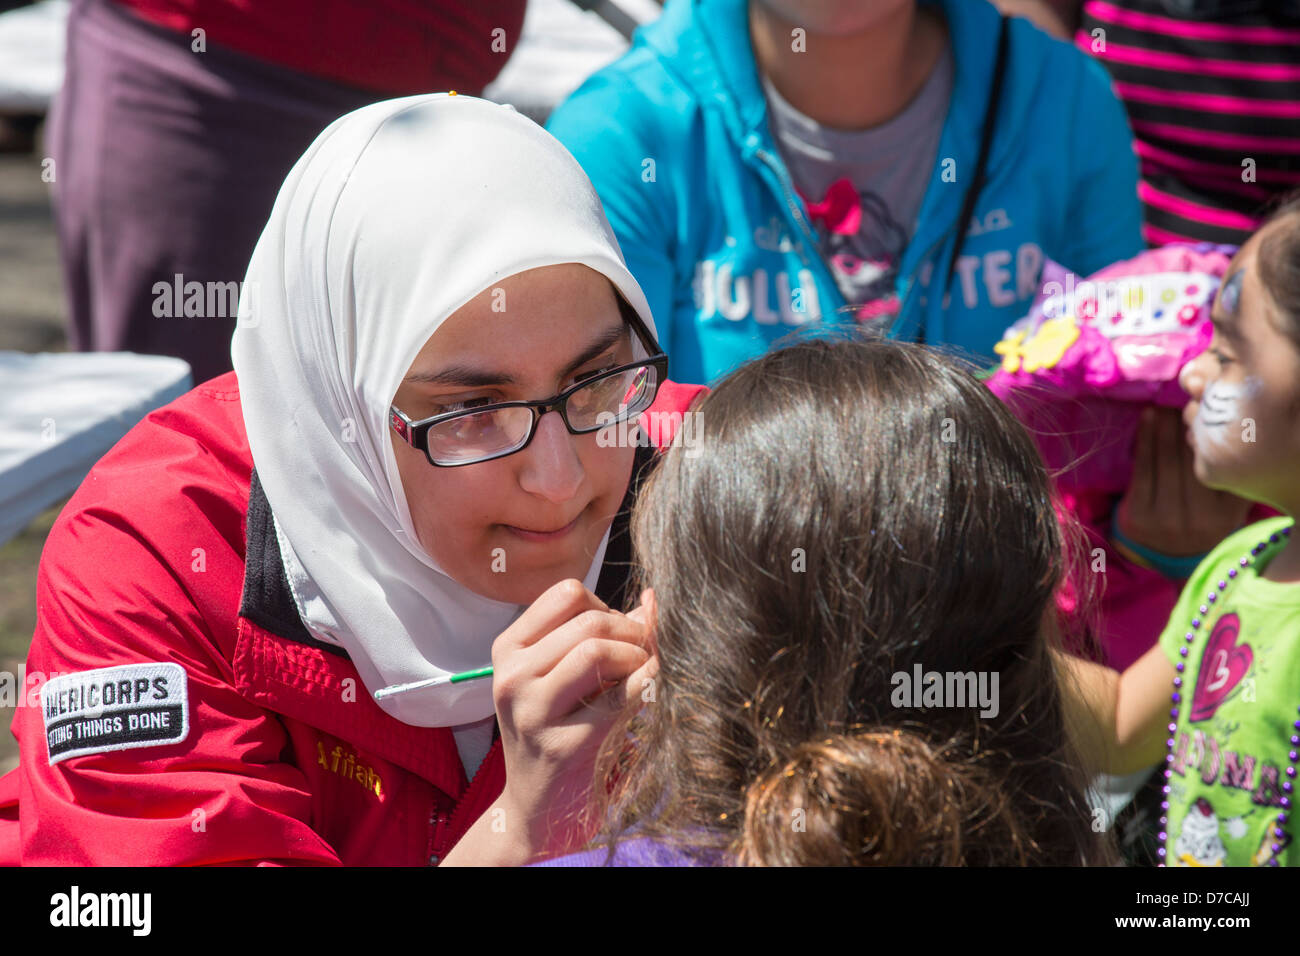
1224 423
1217 418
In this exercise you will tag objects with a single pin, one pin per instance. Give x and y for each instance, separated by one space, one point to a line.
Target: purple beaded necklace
1294 755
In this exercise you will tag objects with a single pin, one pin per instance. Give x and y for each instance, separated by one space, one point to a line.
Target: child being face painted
1244 415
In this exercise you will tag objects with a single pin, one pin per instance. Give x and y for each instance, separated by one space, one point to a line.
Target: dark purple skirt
167 163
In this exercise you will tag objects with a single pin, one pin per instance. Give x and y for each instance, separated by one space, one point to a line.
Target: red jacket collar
324 690
280 666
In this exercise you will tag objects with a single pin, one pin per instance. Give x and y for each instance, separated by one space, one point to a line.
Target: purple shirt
641 851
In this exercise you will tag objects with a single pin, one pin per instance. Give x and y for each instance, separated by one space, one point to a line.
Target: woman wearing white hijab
310 521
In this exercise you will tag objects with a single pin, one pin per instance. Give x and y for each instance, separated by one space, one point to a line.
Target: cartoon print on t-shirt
863 244
1199 843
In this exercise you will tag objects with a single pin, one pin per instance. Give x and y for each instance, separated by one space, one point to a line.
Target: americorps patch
115 708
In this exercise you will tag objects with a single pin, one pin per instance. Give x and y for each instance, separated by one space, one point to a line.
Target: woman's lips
531 535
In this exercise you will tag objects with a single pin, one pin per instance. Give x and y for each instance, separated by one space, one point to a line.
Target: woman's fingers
538 683
558 604
646 614
564 671
584 678
541 657
589 723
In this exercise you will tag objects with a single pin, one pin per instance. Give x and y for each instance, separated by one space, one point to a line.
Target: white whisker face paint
1220 409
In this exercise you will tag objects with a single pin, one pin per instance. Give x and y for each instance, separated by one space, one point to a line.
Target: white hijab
397 215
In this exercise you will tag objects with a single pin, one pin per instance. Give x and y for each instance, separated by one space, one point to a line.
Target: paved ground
31 320
31 293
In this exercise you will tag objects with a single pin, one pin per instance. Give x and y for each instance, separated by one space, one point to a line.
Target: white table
31 56
59 414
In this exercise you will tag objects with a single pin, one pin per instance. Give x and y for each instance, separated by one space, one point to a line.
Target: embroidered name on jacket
115 708
350 768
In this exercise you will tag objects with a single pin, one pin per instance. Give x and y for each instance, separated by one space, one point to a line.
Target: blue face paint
1230 293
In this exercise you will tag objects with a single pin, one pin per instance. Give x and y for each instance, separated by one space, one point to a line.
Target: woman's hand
1166 508
561 674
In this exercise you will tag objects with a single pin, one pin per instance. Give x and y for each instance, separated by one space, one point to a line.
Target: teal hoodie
675 138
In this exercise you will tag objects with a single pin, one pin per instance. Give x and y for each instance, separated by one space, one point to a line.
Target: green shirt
1239 700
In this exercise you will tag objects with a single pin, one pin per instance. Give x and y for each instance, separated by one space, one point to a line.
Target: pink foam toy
1091 354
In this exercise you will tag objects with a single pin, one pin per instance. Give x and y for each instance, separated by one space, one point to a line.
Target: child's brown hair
857 509
1278 264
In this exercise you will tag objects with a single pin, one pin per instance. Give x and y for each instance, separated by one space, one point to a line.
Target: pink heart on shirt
840 210
1223 664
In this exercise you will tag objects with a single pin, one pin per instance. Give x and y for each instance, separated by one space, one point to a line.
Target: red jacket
277 754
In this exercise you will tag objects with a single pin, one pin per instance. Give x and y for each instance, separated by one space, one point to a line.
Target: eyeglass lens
476 436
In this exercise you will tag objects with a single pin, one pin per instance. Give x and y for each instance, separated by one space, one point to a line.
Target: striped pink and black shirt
1213 94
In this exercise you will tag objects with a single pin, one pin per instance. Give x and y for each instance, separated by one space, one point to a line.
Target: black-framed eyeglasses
480 434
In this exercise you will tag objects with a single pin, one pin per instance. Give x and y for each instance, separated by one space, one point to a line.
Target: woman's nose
552 468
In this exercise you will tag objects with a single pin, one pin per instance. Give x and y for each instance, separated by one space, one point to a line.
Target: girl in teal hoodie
753 192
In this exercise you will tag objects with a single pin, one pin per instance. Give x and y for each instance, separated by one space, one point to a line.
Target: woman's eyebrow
607 340
462 375
469 376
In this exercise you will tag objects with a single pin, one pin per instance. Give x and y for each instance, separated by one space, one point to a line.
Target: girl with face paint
1242 420
1169 507
1219 696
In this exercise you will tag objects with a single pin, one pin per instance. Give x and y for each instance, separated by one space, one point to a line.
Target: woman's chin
519 568
526 586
